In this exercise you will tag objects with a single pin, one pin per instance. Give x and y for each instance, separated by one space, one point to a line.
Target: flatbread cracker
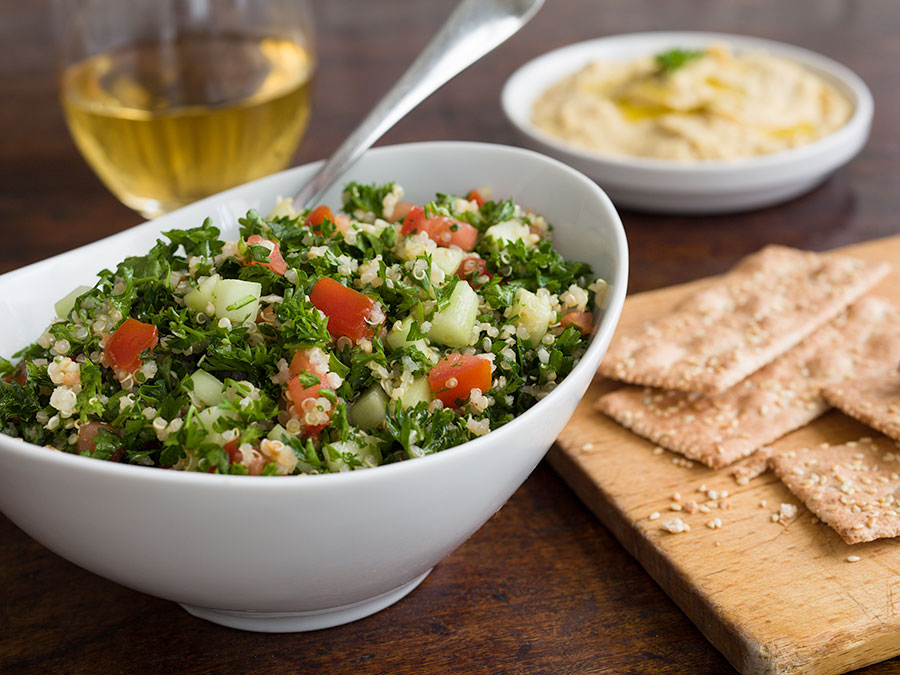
785 395
854 488
752 467
767 304
872 400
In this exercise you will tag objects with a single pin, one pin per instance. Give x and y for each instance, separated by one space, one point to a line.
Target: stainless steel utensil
473 29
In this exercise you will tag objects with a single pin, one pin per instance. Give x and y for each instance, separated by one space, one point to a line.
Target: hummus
710 104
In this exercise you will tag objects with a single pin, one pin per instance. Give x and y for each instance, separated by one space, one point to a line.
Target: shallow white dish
701 187
301 552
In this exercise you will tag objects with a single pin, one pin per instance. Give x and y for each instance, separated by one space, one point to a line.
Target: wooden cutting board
771 598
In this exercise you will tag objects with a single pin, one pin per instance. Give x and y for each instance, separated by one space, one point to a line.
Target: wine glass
170 101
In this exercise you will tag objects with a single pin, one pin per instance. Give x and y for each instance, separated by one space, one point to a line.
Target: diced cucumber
448 259
453 326
208 417
509 231
276 433
367 453
66 304
532 313
396 337
207 389
368 410
236 300
200 298
417 392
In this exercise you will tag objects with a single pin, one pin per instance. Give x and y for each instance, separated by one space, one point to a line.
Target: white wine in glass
200 98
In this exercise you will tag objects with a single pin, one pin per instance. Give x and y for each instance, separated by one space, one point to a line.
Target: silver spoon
473 29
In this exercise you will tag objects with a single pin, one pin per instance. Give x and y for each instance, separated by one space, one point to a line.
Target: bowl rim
604 326
519 89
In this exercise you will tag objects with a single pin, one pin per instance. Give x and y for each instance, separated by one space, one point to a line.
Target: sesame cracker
852 488
716 337
864 340
872 400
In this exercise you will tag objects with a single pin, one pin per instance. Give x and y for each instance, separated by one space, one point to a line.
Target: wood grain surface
543 587
773 597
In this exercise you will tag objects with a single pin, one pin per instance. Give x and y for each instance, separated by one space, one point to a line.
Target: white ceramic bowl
300 552
712 186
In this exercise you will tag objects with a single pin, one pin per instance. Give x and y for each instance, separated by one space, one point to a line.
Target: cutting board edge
748 655
744 655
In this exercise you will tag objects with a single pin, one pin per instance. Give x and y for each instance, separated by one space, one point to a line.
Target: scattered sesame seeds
654 515
675 526
853 558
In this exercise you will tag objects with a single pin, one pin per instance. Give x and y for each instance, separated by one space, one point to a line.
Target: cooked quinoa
315 343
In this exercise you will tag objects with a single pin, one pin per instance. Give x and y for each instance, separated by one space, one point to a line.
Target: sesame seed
853 558
654 515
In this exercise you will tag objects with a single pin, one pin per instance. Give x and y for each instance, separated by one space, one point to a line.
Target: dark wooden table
542 587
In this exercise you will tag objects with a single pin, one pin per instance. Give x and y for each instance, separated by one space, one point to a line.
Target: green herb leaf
672 59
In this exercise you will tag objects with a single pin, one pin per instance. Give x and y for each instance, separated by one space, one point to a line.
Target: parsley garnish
671 60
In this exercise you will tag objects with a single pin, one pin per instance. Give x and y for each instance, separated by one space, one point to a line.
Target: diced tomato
475 196
87 433
454 377
276 262
234 453
583 321
19 375
236 456
350 313
414 220
124 347
305 362
442 230
471 268
401 210
342 223
317 215
87 439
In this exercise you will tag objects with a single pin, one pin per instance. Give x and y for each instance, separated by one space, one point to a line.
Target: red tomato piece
414 220
401 210
350 313
87 433
471 268
124 347
454 377
236 456
342 223
442 230
312 362
317 215
276 261
19 375
234 453
583 321
475 196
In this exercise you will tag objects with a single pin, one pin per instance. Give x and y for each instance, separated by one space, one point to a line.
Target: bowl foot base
291 622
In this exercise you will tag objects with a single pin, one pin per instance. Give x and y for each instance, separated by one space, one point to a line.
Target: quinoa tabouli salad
317 342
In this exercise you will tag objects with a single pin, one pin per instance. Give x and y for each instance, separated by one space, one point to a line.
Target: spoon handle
473 29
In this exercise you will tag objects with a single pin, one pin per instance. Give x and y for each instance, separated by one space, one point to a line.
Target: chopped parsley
252 371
